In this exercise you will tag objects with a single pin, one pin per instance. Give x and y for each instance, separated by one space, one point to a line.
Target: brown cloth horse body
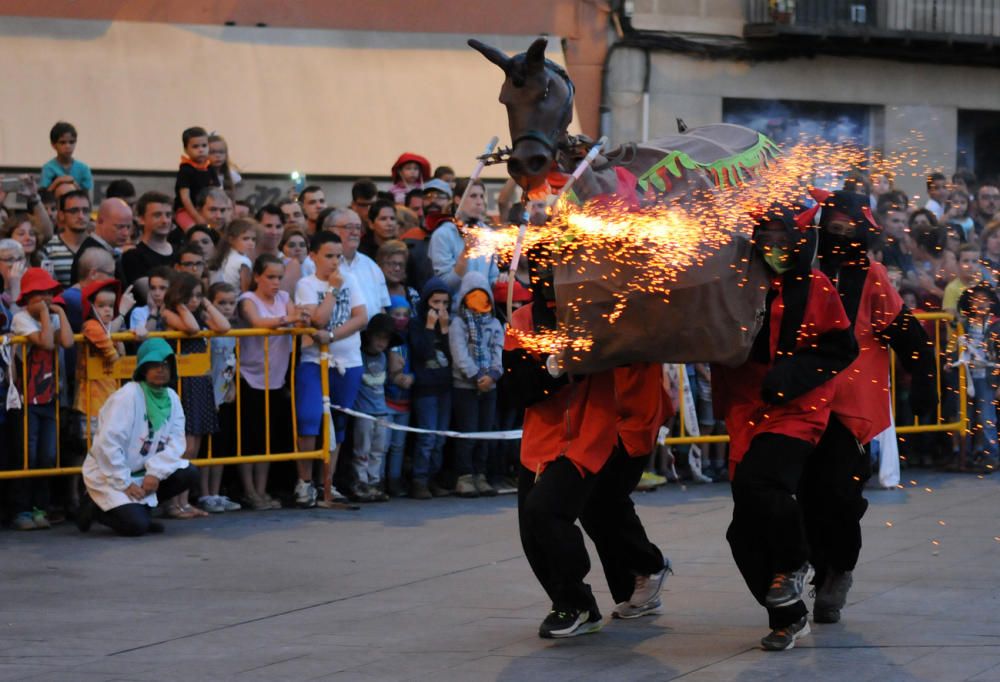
715 309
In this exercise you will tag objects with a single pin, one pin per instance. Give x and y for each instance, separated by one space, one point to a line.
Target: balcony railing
975 21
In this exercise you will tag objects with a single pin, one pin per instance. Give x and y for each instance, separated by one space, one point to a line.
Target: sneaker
24 521
831 597
561 624
787 588
376 493
227 504
305 494
212 504
85 514
466 486
40 519
336 495
272 502
256 502
627 611
394 487
647 482
648 587
439 490
359 492
782 639
505 486
483 486
419 490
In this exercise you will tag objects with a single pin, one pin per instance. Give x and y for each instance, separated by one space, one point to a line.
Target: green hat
151 350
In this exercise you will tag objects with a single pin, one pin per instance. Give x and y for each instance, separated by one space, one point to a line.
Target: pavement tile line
308 607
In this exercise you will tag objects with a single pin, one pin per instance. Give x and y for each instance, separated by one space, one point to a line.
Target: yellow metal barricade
188 365
943 332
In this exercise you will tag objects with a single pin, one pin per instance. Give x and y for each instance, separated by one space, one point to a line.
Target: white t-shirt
371 280
344 352
230 270
24 324
308 267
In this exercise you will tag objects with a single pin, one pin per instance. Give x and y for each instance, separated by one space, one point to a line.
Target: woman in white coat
137 450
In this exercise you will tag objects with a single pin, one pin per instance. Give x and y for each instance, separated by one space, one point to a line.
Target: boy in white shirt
336 306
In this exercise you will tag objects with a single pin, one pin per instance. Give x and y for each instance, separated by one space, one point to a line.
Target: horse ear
491 53
534 58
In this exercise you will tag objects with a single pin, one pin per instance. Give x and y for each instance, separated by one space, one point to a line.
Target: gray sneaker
211 504
483 486
782 639
627 611
648 587
227 504
831 597
787 588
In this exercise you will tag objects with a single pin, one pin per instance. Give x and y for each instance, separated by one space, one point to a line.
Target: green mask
774 257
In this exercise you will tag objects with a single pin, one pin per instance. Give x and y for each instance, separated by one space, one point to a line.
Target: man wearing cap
448 250
137 452
436 200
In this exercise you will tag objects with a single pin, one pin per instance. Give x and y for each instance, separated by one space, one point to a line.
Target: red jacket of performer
878 318
568 416
805 341
642 404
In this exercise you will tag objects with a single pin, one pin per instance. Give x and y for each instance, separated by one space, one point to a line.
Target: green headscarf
158 401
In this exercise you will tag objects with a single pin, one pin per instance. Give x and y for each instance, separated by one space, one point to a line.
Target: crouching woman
137 452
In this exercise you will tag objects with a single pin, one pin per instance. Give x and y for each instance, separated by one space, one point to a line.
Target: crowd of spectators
413 321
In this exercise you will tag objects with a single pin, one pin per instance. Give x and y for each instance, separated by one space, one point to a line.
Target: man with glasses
435 200
72 227
114 224
346 224
986 205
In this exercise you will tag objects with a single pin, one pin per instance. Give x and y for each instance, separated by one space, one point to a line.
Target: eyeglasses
296 245
353 227
12 259
76 209
191 263
395 265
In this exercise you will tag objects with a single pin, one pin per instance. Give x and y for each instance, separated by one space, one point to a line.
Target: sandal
194 511
175 512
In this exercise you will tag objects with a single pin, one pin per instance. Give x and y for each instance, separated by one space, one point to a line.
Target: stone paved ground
440 591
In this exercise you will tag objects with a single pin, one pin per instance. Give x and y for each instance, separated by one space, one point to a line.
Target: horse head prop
538 95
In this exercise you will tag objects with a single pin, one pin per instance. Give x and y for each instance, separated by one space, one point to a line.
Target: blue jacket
430 355
445 246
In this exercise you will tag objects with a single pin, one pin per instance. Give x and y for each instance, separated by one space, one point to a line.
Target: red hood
89 291
425 166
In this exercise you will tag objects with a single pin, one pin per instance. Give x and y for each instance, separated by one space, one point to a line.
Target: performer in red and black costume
776 407
584 446
568 435
832 487
634 567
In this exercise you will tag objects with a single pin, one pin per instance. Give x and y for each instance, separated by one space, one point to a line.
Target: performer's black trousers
610 520
767 534
547 511
133 519
832 500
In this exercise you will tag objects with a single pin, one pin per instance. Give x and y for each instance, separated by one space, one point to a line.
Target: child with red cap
46 327
409 172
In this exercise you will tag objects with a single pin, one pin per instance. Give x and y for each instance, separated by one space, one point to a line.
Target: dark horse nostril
537 163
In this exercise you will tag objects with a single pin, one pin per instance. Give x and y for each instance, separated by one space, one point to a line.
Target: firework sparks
675 234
